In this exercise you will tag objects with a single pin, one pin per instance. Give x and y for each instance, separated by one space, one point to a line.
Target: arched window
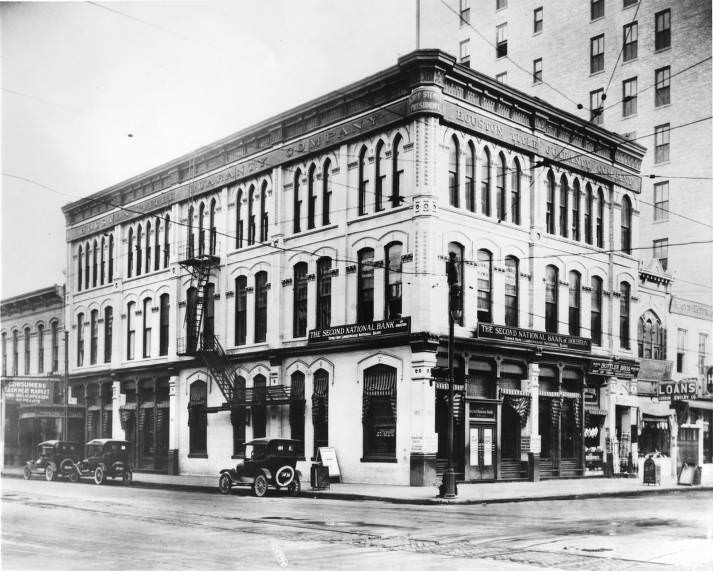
15 354
324 292
212 232
379 412
4 354
380 177
40 349
166 241
575 210
515 188
198 419
311 197
453 173
111 258
101 264
239 219
392 301
600 218
299 300
551 286
651 337
241 310
326 191
626 225
95 263
237 417
397 172
512 291
27 350
470 177
365 286
320 410
564 206
624 302
201 229
157 244
87 273
191 317
501 200
148 247
485 281
189 230
297 410
263 212
459 251
296 203
596 325
550 210
363 181
139 236
260 307
93 336
588 206
251 215
575 302
80 266
80 339
209 315
259 416
485 184
130 330
146 314
108 333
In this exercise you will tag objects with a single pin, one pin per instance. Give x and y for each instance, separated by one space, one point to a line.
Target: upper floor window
502 77
663 29
15 354
597 9
397 172
660 252
575 295
102 263
93 336
600 218
485 183
393 304
212 234
108 333
363 181
147 247
661 143
500 196
189 232
459 252
551 299
702 352
296 203
512 291
365 286
157 244
239 223
537 71
110 277
501 40
139 236
379 177
588 206
550 210
575 209
626 225
485 280
596 106
251 215
87 273
651 337
264 219
464 52
299 300
324 292
27 350
681 350
624 304
130 330
241 310
596 54
628 3
326 191
500 4
201 229
629 97
261 289
663 86
147 327
661 200
79 265
464 14
596 324
311 196
4 354
40 348
95 263
564 206
537 18
80 339
453 175
631 41
470 177
515 182
55 346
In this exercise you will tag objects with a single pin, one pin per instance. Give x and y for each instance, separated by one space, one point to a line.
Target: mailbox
652 472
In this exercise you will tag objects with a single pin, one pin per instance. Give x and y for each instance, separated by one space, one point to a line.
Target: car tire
27 473
99 476
295 487
66 468
50 473
74 476
224 484
284 476
260 486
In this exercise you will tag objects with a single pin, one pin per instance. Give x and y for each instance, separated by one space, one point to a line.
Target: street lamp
455 312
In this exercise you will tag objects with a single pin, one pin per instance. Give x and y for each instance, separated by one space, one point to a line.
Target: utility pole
418 24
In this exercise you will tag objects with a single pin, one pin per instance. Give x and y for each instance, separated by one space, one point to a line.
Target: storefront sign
655 370
328 457
361 330
691 308
531 337
424 444
481 412
591 396
676 390
29 392
619 369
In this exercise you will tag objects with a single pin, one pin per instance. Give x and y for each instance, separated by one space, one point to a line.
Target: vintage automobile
105 458
268 462
54 458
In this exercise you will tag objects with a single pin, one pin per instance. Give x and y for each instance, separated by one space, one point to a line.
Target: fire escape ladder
216 361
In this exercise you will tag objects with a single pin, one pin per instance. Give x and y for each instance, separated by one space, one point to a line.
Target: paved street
64 526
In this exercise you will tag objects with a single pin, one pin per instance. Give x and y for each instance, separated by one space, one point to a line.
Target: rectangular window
624 308
379 412
662 143
299 300
537 20
93 336
500 4
241 310
628 3
365 286
663 30
464 12
147 328
108 333
661 201
629 97
393 292
661 252
511 292
663 86
502 77
324 293
27 351
631 41
537 70
596 106
681 350
596 54
80 340
597 9
702 352
501 40
130 331
260 307
596 315
55 347
163 324
4 354
40 349
465 52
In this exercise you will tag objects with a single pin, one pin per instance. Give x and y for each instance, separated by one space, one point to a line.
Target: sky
96 92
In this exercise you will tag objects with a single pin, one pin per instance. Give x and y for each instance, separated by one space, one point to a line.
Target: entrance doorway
482 451
441 429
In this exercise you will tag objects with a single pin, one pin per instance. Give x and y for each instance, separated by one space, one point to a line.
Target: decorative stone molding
310 277
287 282
351 269
249 289
229 294
406 258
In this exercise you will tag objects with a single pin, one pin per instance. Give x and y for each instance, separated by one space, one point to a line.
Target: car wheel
27 473
260 486
50 474
99 476
66 467
295 487
74 476
224 484
284 476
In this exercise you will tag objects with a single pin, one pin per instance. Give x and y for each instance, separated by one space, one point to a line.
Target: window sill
380 460
535 34
198 455
632 116
664 106
662 50
595 73
632 60
599 19
371 216
660 221
663 163
311 231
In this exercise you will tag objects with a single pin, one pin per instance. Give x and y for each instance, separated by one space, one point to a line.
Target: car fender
231 472
298 473
267 473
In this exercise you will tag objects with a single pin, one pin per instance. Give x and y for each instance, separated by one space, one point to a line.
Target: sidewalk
496 492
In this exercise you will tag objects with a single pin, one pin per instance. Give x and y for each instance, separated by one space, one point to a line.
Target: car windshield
255 451
116 448
46 450
67 448
94 450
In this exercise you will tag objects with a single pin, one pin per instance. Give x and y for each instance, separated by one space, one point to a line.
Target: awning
660 409
595 411
700 404
660 422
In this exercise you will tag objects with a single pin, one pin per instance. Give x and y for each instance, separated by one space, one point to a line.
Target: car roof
105 440
268 440
55 442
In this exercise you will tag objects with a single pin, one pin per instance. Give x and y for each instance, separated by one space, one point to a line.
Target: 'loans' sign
675 390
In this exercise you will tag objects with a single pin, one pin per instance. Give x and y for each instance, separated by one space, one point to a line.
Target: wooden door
482 451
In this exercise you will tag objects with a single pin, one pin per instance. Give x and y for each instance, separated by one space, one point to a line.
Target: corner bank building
289 280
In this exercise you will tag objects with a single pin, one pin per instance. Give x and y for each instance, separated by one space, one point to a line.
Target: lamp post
455 311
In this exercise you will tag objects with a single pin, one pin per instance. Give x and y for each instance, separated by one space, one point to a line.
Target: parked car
268 462
105 458
54 458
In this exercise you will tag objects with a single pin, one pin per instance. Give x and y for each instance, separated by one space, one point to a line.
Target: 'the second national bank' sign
532 337
361 330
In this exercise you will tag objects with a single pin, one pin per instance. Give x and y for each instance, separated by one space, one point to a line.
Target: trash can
319 476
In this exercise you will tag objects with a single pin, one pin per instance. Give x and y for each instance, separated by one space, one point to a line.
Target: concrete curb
350 496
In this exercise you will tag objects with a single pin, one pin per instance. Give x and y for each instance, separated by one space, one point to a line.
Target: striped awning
515 393
559 394
595 411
